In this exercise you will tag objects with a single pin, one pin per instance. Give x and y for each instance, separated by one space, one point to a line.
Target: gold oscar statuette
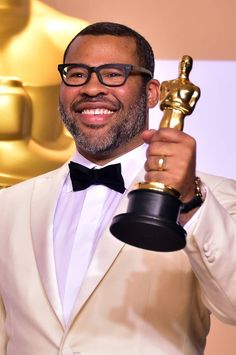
151 220
33 139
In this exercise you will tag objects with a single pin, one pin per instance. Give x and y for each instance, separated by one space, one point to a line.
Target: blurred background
204 29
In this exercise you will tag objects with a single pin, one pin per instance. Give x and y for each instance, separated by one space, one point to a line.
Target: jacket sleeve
3 336
211 248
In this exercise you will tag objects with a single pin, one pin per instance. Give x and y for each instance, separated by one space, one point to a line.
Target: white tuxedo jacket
132 301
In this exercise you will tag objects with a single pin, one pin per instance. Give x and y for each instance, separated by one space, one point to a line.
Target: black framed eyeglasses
107 74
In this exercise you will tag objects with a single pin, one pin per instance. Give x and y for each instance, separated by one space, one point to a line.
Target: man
67 285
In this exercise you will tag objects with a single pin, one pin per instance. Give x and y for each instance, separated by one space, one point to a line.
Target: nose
93 87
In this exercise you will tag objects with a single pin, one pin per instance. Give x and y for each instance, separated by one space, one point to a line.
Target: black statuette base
150 222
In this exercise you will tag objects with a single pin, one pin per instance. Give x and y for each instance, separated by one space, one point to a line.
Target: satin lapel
43 206
107 251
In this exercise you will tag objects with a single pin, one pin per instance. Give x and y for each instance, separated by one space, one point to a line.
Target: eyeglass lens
108 76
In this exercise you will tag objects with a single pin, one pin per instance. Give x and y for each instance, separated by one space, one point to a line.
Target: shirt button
206 247
211 258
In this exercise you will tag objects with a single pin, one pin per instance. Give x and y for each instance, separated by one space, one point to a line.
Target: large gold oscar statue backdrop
33 140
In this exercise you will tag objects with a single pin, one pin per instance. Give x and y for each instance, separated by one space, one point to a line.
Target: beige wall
205 29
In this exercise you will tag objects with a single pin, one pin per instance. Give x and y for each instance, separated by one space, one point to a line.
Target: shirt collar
131 163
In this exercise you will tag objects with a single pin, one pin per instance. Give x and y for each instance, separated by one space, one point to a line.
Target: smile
97 111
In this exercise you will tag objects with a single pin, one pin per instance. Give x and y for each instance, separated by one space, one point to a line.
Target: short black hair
144 50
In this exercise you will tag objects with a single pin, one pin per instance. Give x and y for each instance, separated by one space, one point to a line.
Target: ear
153 93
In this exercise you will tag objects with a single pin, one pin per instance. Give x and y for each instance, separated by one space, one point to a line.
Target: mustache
76 105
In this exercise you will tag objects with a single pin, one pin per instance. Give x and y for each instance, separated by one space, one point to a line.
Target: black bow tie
110 176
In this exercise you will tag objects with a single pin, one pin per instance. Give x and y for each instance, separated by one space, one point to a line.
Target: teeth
97 111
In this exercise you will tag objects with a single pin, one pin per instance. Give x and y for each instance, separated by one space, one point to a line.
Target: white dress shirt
80 218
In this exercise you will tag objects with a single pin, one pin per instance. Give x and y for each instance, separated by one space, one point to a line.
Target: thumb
147 135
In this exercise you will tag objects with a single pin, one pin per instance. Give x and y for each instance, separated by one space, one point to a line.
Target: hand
179 150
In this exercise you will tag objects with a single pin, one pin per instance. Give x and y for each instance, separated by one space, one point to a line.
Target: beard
126 128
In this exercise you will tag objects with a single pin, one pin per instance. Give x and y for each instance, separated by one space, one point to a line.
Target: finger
156 163
165 135
147 135
162 148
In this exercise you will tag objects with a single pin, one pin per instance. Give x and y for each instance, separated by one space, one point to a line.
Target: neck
104 158
183 75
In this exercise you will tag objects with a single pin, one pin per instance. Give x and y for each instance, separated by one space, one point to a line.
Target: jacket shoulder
214 181
223 189
26 186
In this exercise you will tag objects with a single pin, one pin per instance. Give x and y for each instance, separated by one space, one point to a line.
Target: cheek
128 94
67 94
121 95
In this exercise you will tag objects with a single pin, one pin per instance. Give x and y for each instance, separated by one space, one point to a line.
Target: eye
112 73
112 76
115 74
74 72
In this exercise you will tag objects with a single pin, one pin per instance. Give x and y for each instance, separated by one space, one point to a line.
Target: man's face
104 120
186 65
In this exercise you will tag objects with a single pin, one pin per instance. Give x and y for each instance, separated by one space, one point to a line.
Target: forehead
97 50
